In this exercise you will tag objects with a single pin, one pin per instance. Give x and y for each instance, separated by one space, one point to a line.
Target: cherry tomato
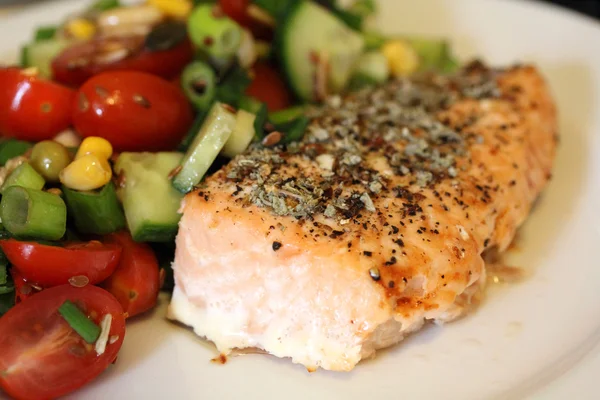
41 356
237 10
32 108
269 87
135 111
23 290
49 266
78 63
136 281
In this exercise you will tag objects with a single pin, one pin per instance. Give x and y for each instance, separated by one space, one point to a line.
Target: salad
113 115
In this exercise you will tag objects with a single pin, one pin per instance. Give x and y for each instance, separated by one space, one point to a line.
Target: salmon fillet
326 250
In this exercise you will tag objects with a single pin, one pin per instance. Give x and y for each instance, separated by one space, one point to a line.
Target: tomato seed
272 139
46 107
79 281
83 102
77 350
141 101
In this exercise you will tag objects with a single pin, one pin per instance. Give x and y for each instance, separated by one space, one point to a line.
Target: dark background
590 7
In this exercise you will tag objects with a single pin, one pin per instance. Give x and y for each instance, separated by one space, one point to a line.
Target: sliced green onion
286 115
6 289
80 323
218 35
373 40
45 33
278 9
25 176
97 212
3 274
13 148
293 130
198 81
7 301
232 86
32 213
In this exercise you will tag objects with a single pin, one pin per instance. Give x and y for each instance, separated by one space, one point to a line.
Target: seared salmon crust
329 249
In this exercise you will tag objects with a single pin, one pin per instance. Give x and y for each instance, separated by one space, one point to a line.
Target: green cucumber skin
40 55
151 204
214 133
354 43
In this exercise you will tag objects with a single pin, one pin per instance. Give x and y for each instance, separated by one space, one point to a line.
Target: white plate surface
535 339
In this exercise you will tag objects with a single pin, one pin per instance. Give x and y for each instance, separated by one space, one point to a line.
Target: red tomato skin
166 64
135 111
49 266
237 10
23 289
32 108
269 87
35 331
136 281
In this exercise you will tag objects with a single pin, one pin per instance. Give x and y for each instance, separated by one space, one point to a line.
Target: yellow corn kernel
86 173
81 28
402 58
95 145
180 9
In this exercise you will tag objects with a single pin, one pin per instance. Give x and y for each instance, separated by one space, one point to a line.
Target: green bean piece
80 323
12 148
49 158
35 214
24 175
286 115
95 212
217 34
199 84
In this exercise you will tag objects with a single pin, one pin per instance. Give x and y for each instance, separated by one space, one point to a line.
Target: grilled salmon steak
326 250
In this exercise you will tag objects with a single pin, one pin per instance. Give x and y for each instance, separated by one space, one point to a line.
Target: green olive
49 158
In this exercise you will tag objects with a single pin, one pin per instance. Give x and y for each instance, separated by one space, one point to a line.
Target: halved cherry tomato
23 290
49 266
78 63
135 111
41 356
32 108
136 281
269 87
237 10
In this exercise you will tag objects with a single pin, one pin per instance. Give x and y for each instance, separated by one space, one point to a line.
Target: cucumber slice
242 134
151 204
372 69
40 55
310 30
214 133
432 52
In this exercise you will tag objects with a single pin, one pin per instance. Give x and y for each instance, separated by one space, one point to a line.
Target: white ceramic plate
536 338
